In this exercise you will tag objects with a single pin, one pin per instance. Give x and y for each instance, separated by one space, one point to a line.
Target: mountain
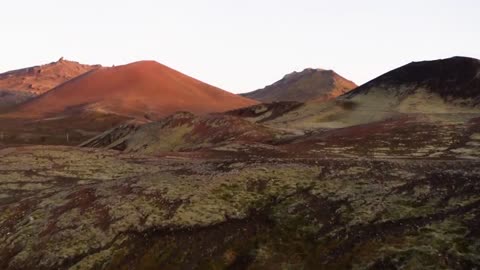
310 84
427 86
39 79
445 89
265 111
140 89
18 86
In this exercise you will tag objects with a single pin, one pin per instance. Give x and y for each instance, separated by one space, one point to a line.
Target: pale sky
240 45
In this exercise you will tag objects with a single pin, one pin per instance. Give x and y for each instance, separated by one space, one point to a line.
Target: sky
240 46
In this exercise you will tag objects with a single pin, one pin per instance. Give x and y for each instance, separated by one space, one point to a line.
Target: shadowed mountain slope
456 77
9 98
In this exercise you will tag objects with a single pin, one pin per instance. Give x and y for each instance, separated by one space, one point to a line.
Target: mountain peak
306 85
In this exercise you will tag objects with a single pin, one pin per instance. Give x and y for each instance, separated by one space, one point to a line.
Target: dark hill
456 77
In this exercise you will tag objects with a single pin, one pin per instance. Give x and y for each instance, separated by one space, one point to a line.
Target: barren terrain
384 177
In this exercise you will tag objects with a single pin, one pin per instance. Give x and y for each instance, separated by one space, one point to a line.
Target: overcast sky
240 45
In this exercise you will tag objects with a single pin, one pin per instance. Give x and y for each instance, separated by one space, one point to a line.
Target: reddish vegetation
40 79
366 130
137 89
219 128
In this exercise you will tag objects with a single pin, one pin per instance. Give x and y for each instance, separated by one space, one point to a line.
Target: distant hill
310 84
18 86
439 89
141 89
39 79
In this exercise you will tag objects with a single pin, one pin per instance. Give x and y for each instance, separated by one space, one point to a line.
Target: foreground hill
181 132
18 86
310 84
139 89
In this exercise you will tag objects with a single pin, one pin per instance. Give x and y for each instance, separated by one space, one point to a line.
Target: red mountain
137 89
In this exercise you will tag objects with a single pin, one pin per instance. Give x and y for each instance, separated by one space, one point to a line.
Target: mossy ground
64 207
